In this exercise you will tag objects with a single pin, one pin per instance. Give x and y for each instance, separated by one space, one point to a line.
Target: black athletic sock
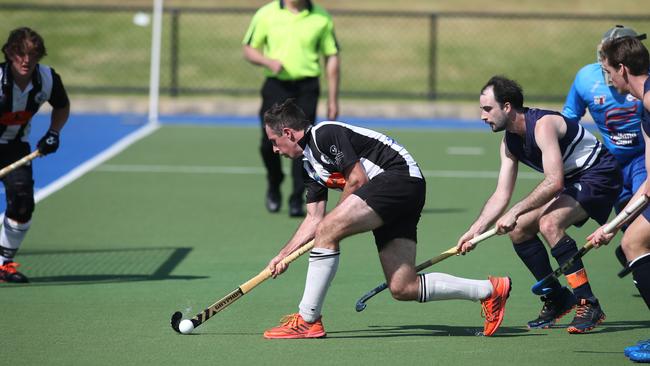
533 253
641 274
575 275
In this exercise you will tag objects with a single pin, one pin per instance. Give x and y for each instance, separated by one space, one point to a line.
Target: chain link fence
443 56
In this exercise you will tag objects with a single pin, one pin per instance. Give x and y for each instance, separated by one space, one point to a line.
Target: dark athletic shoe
588 316
556 305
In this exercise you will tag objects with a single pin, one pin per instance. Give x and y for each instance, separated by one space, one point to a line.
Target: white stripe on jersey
19 102
581 153
414 170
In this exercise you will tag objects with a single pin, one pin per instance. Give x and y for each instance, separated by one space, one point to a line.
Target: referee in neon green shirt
287 38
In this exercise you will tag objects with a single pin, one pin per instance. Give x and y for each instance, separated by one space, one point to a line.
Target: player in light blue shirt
617 116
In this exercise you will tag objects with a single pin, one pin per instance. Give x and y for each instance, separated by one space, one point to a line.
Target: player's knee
549 227
20 203
401 293
521 234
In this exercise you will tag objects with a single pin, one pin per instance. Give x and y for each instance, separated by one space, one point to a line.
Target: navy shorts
398 199
596 189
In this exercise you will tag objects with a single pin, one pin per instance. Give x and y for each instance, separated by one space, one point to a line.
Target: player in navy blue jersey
581 180
627 62
617 116
383 191
24 86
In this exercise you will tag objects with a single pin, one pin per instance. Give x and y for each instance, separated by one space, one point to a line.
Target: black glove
48 143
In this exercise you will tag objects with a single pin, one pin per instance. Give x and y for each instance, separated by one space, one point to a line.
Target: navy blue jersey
329 148
579 148
645 120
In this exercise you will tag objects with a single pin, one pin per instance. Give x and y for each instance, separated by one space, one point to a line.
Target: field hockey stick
240 291
542 286
361 303
17 164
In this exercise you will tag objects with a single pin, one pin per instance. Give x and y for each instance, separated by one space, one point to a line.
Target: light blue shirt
617 116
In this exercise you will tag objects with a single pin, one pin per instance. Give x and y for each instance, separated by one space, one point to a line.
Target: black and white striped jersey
17 107
331 147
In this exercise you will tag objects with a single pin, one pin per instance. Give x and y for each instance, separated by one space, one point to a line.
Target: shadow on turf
162 272
383 331
437 211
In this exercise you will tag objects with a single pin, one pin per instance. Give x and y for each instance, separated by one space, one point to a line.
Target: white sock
323 264
441 286
11 235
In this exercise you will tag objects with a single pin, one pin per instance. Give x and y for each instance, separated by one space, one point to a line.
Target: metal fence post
433 34
173 87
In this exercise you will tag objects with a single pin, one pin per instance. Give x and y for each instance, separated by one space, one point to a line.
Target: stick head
176 320
360 306
541 287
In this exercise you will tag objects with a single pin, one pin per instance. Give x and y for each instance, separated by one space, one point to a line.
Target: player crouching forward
383 191
581 180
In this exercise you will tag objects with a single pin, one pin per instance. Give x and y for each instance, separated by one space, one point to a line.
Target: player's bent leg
352 216
636 242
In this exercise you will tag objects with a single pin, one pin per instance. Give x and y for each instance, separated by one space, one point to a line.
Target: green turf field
177 221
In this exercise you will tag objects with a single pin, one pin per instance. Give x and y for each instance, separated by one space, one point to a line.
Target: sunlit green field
177 221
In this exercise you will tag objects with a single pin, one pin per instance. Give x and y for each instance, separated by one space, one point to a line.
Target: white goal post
154 80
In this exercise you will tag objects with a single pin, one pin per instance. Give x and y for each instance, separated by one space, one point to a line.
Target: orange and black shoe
494 306
588 316
9 273
293 326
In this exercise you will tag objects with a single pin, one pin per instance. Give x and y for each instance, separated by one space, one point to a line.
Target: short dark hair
506 91
20 38
286 115
627 51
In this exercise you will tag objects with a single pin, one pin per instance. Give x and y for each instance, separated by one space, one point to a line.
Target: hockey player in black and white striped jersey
24 86
383 191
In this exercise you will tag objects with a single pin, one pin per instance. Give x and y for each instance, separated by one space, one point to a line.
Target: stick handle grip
24 160
623 215
266 273
484 236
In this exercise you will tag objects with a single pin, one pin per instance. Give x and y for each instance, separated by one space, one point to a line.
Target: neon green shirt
296 40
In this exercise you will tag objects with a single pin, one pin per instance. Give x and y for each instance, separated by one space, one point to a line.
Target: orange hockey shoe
293 326
494 307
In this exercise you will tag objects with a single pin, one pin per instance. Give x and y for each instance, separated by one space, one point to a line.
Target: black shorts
597 189
398 199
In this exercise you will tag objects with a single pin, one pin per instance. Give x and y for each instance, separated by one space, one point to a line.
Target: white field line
211 169
465 150
95 161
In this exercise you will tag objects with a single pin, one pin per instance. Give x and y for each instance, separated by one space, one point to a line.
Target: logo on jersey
338 155
599 99
631 98
40 97
577 186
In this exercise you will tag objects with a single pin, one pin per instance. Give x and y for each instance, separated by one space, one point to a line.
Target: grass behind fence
381 54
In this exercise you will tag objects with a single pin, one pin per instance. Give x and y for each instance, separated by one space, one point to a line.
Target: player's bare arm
548 131
256 57
497 203
355 177
305 233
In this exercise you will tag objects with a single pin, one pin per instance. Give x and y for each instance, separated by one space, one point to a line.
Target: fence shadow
47 268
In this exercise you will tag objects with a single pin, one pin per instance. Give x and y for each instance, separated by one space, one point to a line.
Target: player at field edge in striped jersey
626 61
617 116
25 85
383 191
581 180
